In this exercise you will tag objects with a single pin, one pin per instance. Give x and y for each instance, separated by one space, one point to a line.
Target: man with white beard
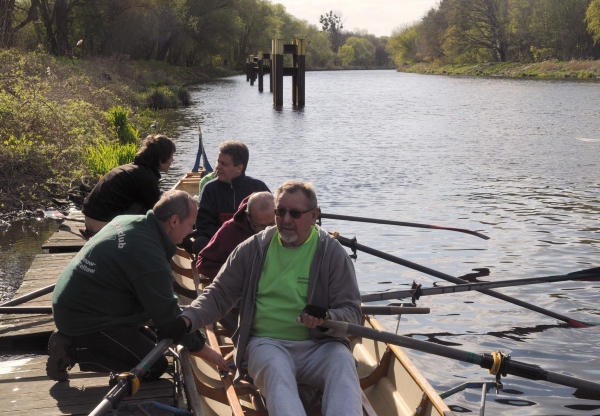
288 279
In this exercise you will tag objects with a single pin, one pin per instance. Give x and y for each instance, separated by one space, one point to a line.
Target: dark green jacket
121 276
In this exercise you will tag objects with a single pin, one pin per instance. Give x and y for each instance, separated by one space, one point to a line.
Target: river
514 159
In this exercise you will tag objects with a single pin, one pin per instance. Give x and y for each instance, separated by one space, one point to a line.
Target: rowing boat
391 383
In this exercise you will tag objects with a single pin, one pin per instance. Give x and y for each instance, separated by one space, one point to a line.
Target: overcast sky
378 17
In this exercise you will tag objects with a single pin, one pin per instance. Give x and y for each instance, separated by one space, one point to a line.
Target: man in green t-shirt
118 281
288 279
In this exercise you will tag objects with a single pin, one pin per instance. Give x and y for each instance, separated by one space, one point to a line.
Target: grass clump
104 156
125 132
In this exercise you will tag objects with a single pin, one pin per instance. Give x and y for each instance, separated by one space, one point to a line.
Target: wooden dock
26 390
67 238
24 387
18 330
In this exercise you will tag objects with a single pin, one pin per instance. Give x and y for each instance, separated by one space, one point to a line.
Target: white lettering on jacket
120 235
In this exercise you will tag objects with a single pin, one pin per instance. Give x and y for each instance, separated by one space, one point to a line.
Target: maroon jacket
227 238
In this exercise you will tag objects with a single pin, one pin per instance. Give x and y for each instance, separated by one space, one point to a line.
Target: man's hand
312 316
174 329
211 356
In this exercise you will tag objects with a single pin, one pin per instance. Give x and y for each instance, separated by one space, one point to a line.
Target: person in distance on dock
117 282
253 216
131 188
221 197
288 279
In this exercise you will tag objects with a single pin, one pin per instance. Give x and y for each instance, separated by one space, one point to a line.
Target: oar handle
529 371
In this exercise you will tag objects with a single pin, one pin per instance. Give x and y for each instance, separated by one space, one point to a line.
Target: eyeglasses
280 212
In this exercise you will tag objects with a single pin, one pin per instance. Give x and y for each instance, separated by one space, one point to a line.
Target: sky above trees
378 17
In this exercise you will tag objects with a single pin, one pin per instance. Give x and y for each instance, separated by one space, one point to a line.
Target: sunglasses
280 212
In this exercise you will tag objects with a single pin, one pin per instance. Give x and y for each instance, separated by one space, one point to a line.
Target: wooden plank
44 271
25 390
67 238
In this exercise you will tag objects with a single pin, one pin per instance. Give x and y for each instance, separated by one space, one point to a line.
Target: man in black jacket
221 197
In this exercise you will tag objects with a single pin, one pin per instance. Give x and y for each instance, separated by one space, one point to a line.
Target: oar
355 246
497 363
27 309
130 384
401 294
392 310
402 224
30 296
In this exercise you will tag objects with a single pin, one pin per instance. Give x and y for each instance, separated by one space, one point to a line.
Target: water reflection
18 246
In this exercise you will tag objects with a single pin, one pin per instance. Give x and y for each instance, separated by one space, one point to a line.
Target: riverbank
55 110
546 69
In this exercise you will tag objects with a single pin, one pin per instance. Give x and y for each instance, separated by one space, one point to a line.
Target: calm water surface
514 159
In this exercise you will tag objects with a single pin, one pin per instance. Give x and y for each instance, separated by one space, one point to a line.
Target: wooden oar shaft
393 310
401 224
349 243
118 392
529 371
26 309
401 294
30 296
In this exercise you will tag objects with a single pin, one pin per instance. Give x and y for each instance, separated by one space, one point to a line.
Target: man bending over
118 281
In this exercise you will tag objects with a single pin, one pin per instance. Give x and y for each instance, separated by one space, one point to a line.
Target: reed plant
103 157
124 131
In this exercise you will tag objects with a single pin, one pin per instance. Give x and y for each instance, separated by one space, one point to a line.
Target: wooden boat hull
391 383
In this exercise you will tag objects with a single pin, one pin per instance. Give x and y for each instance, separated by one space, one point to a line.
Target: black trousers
117 349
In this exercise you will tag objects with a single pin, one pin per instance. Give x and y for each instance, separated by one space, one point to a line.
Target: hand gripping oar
418 292
130 382
497 363
355 246
402 224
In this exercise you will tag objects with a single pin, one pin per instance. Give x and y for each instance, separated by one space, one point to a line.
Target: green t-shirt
282 290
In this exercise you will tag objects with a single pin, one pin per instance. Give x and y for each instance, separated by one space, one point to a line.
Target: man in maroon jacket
255 213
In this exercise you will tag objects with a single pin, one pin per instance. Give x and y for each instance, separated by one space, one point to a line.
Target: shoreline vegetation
552 69
65 122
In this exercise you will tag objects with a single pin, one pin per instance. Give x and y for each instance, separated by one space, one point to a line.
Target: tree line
469 31
180 32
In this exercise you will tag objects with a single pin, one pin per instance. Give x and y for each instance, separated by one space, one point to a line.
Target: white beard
288 238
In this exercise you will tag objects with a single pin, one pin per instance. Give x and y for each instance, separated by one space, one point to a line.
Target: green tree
332 24
592 18
403 44
346 54
364 51
475 24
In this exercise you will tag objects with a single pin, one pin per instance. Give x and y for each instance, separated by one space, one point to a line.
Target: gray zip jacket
332 285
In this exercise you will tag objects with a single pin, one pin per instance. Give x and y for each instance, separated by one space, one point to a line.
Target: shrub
117 117
160 98
184 97
104 157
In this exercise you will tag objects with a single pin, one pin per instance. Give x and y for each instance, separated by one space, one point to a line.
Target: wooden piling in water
247 69
298 80
277 71
251 70
259 65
